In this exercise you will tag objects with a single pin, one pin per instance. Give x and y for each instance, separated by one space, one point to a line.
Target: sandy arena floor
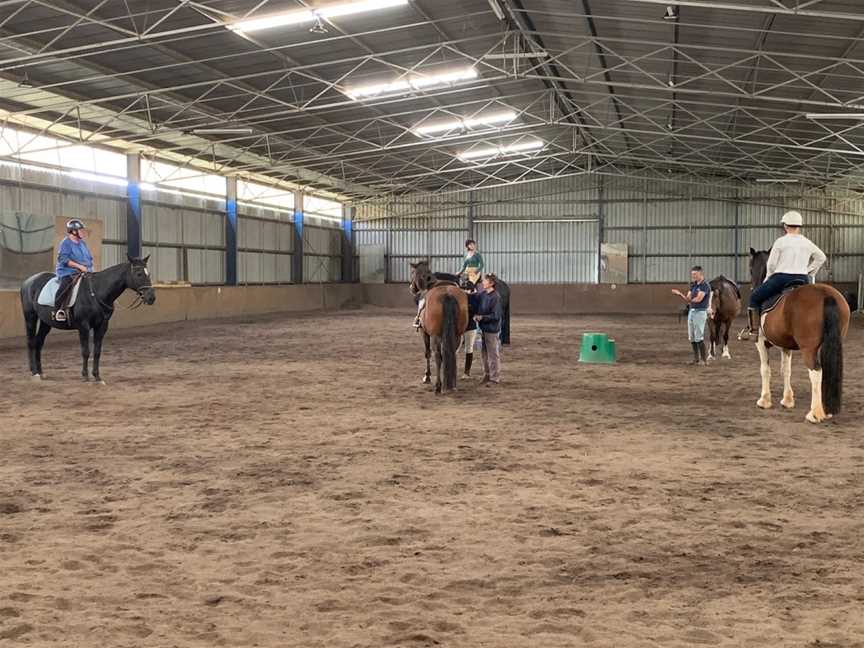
289 482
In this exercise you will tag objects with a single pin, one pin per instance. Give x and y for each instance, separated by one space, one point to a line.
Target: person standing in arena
698 299
488 315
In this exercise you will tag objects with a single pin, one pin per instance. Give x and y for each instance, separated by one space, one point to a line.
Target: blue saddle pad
49 292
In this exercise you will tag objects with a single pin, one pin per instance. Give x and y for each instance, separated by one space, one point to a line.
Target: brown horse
725 307
813 319
443 321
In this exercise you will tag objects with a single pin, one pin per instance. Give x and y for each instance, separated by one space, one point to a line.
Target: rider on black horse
794 259
73 259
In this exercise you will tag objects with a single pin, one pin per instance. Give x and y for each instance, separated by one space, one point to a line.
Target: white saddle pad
48 294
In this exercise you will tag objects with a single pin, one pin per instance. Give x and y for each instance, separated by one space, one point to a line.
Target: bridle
136 303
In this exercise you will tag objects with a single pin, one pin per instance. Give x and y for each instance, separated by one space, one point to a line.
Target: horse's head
758 266
138 279
421 277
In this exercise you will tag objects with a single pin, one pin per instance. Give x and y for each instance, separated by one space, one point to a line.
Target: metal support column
231 231
348 243
600 228
470 218
297 258
134 225
737 242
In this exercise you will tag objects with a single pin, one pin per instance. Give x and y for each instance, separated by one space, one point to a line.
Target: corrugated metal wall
322 251
668 225
265 241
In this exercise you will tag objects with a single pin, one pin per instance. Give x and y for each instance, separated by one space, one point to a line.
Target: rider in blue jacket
73 258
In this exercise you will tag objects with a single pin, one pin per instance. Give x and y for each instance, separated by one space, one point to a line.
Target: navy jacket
488 306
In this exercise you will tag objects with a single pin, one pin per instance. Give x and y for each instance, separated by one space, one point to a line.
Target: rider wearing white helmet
73 257
794 259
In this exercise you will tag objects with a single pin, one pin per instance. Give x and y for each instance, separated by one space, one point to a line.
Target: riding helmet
792 219
74 225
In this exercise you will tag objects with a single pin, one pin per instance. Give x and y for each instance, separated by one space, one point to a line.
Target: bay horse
814 319
444 320
725 307
93 309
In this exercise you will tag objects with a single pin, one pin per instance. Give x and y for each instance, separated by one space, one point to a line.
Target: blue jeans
774 285
696 320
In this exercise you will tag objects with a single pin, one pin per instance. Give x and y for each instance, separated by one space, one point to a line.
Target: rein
109 308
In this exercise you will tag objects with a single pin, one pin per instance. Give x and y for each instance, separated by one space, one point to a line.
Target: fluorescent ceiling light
407 84
777 180
817 116
496 9
494 151
489 119
222 131
515 55
313 15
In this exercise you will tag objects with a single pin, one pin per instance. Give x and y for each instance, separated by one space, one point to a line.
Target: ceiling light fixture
495 151
818 116
507 56
409 84
222 131
777 180
313 15
496 9
490 119
671 13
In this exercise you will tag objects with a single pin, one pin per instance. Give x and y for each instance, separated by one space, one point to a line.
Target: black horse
501 287
93 309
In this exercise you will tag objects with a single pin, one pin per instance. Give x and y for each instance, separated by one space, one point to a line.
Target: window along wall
183 214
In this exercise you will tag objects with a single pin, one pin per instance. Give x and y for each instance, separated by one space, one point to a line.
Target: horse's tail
450 339
831 358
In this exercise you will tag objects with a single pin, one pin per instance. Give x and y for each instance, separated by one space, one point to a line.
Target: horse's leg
98 336
814 369
31 322
428 377
44 330
765 369
715 333
786 367
727 324
439 361
84 338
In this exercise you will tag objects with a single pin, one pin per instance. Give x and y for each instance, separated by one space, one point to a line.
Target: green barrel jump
597 348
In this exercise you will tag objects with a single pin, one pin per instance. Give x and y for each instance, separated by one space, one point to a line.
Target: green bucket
597 348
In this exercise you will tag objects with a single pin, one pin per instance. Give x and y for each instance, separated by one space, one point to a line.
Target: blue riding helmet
74 225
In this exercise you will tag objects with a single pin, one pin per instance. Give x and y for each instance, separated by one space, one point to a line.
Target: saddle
48 295
775 301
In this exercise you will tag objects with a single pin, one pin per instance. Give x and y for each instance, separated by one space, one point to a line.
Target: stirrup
60 315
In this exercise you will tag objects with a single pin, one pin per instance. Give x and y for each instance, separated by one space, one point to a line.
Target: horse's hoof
85 379
36 377
426 380
788 404
99 381
813 418
763 403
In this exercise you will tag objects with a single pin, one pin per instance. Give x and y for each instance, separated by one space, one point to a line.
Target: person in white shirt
793 260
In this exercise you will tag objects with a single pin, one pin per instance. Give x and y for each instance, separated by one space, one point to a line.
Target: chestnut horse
444 320
813 319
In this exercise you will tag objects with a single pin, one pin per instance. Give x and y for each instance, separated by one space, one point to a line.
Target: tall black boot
703 352
469 359
695 346
753 318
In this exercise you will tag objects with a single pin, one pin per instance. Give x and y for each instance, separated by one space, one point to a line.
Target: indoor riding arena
247 221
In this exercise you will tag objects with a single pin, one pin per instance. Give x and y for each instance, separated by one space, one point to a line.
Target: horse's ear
146 259
129 257
752 252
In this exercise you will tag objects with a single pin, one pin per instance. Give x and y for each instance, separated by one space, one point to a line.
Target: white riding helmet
792 219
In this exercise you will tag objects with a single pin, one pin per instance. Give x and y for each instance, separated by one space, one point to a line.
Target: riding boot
753 317
469 359
703 353
695 346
